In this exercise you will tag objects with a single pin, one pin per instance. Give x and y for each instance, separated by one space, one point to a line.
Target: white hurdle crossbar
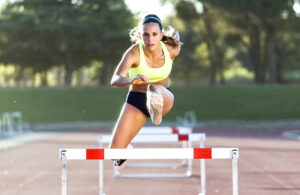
149 153
152 138
165 130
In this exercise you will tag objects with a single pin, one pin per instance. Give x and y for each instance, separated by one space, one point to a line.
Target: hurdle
149 153
165 130
16 119
189 119
11 123
154 138
146 130
7 124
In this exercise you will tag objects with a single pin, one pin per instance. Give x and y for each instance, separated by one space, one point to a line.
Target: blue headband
150 17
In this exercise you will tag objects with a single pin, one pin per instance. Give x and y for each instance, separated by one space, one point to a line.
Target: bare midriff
143 88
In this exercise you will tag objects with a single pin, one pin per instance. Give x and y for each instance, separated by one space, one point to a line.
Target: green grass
241 102
104 103
63 104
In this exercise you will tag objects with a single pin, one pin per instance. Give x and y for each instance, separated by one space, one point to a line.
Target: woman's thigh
130 121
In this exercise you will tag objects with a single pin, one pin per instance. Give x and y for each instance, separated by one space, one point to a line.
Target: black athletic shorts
138 100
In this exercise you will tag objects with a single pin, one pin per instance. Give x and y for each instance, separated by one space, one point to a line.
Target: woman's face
151 35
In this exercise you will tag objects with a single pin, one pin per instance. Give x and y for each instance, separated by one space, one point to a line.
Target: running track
266 167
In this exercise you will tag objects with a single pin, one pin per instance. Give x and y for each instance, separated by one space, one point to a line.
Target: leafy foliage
46 33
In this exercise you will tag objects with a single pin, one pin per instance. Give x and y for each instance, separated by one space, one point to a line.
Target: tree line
40 34
262 36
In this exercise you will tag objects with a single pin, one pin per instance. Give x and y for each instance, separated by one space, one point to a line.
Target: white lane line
29 180
19 140
272 177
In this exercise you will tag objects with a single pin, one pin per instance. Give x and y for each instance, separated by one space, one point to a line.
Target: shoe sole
156 107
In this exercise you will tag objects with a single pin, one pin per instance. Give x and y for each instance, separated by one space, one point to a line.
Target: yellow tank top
153 74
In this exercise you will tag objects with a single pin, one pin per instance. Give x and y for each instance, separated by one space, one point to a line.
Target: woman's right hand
139 80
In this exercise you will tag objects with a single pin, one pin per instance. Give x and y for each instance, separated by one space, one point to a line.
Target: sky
144 7
296 7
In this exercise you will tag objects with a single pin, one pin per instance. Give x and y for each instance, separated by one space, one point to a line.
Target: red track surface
266 167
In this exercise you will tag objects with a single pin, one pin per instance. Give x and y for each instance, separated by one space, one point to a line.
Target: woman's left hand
175 35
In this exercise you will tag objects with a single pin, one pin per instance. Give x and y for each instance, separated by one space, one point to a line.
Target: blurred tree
245 36
217 51
21 41
200 28
44 33
188 62
260 15
112 37
288 38
202 32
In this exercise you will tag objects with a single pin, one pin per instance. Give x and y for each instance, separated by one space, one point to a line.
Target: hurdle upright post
190 163
203 173
17 124
101 186
235 171
6 121
63 172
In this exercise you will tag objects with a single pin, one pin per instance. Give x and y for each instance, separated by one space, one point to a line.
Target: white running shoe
155 105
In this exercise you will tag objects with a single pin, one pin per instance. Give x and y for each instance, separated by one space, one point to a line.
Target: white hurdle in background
150 153
16 118
165 130
6 124
11 123
154 138
149 130
188 119
163 134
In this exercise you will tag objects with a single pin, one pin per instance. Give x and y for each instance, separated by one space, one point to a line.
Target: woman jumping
149 63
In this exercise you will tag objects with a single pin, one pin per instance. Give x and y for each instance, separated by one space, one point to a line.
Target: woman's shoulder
133 50
132 55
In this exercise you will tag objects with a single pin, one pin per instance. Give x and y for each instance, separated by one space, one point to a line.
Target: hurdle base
153 175
148 165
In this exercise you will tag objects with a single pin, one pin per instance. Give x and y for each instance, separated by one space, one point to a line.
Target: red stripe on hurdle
175 130
93 154
202 153
183 137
